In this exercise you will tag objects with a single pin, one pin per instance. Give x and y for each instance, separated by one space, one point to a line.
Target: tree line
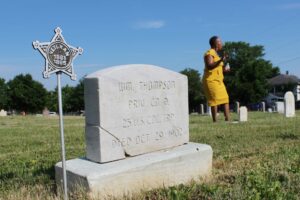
23 94
246 83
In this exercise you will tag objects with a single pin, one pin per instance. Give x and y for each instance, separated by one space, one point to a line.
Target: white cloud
151 24
290 6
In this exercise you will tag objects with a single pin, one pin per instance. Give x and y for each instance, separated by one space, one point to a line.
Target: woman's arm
209 62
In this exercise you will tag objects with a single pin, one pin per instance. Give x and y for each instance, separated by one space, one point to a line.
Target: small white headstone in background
201 109
280 107
208 110
243 114
263 106
237 107
3 113
45 112
270 110
289 104
298 93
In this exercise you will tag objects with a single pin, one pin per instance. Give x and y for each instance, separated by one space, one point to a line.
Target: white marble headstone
279 107
237 107
208 110
134 109
201 109
263 106
289 104
298 93
46 112
243 114
3 113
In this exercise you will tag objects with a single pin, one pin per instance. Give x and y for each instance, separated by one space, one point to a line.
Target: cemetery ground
258 159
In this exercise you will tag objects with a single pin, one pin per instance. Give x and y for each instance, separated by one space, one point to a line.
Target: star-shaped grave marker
58 54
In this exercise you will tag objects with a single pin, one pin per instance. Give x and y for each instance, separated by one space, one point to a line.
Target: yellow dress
213 85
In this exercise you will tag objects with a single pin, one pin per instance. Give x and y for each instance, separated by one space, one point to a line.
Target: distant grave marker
243 114
208 110
237 107
289 104
46 112
279 105
263 106
201 109
3 113
298 92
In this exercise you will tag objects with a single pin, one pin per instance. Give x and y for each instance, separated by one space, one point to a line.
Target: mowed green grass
258 159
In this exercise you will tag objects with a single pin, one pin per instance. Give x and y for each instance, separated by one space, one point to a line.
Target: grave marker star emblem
58 54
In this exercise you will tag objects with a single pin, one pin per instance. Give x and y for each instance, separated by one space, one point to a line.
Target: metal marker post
62 140
59 57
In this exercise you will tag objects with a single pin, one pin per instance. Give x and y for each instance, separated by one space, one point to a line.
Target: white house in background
280 85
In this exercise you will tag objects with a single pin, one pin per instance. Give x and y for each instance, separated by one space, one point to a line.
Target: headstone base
153 170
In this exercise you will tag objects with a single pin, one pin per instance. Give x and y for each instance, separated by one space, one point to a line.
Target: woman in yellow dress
213 85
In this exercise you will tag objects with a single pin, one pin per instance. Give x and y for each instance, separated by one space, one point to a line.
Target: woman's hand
225 56
226 68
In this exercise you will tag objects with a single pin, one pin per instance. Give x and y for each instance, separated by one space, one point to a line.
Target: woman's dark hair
212 41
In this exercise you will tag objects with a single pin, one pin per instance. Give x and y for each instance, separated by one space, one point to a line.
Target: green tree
247 80
26 94
195 91
72 98
3 94
67 93
77 97
52 101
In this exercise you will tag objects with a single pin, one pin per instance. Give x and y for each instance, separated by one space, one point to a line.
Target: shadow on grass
8 175
46 175
288 136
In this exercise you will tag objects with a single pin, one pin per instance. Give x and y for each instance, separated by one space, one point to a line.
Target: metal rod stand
61 126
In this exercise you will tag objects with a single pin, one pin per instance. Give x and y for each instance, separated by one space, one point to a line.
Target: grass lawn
258 159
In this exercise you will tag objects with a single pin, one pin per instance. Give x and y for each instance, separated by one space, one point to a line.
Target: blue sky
169 33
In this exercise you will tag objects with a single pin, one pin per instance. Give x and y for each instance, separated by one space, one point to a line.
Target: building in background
279 85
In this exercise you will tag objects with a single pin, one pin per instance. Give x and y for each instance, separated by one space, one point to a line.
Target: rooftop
283 79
